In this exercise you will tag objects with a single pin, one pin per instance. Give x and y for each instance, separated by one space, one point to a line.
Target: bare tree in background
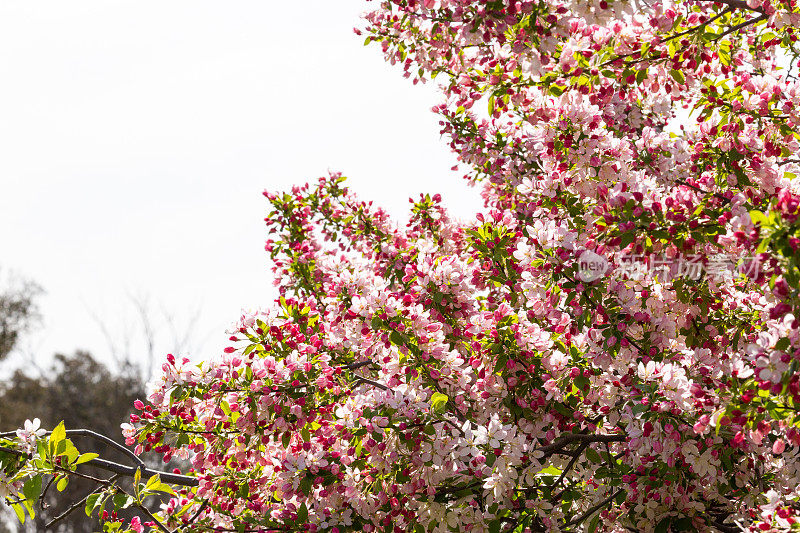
147 332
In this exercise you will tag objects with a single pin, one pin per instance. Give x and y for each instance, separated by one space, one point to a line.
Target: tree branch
593 509
77 505
737 4
360 380
580 437
106 440
122 470
748 22
571 463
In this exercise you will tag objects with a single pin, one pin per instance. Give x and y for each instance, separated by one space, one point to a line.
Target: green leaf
550 471
57 436
286 439
663 526
85 458
305 485
302 513
593 456
154 481
122 500
627 238
758 217
91 503
397 338
438 402
70 451
32 488
20 512
593 524
62 483
678 76
59 433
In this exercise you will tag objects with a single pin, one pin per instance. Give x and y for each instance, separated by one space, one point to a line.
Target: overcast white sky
136 138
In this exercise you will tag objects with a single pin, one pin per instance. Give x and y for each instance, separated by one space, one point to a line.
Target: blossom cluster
443 375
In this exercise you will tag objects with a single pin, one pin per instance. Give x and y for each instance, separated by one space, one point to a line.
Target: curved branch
737 4
77 505
593 509
580 437
106 440
367 381
123 470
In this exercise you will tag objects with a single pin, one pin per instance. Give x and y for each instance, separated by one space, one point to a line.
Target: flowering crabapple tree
611 345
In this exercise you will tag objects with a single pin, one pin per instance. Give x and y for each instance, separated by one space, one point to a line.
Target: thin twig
198 512
668 39
354 366
76 505
146 511
592 510
698 189
122 470
368 381
738 4
580 437
741 25
106 440
578 453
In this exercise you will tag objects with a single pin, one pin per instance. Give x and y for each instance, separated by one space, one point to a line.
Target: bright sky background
136 138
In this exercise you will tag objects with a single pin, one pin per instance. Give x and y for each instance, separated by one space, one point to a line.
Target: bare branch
737 4
580 437
122 470
593 509
77 505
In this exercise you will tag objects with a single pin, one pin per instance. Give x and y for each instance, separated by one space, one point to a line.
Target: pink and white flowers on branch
478 376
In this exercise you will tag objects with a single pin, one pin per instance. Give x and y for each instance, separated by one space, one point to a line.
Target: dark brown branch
737 4
198 512
354 366
367 381
42 504
122 470
571 463
106 440
741 25
593 510
580 437
108 483
152 517
698 189
668 39
77 505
